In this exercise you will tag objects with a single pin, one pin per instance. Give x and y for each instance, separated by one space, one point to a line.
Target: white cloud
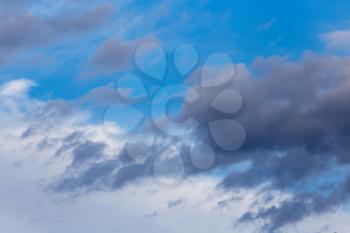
337 40
17 87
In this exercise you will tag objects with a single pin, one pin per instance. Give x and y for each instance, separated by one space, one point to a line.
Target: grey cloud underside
297 118
91 167
22 29
174 203
111 56
90 170
44 117
300 206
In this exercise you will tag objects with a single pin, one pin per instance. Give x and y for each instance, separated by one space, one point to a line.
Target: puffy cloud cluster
296 116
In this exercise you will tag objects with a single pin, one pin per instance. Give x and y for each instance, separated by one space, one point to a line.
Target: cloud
131 208
296 117
66 153
300 206
295 113
96 160
72 23
267 25
17 87
337 40
111 56
22 29
173 204
9 6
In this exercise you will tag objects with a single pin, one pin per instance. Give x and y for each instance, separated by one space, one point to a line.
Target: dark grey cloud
301 206
296 116
114 54
20 31
106 174
87 151
174 203
92 169
111 56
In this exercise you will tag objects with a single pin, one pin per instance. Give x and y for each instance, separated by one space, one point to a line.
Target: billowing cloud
296 117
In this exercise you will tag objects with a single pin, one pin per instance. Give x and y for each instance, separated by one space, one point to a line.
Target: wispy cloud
266 25
337 40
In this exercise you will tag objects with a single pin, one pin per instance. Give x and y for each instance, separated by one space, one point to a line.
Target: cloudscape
174 116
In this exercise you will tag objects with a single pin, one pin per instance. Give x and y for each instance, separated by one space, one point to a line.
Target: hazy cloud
22 29
337 40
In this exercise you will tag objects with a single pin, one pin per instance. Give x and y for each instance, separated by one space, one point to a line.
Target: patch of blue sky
323 184
239 167
233 26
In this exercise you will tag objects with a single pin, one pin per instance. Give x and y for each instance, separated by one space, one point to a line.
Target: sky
174 116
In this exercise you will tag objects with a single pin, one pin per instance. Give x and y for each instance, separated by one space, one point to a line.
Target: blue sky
264 90
244 30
